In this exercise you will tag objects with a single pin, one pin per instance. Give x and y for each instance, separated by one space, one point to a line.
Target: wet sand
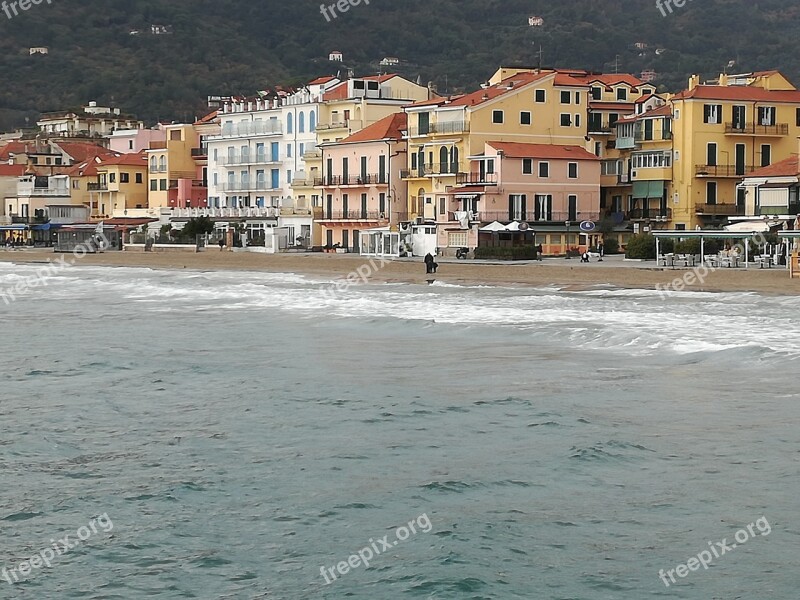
556 272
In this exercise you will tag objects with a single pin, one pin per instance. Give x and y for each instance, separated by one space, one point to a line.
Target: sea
251 435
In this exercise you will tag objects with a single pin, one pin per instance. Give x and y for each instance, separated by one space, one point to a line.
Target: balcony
435 170
445 128
624 179
333 125
719 210
600 129
650 214
354 215
249 159
312 153
776 130
737 171
199 152
476 179
36 220
247 186
350 181
625 143
552 218
97 187
249 129
222 213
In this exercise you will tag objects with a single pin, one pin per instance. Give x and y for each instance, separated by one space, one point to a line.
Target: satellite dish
588 227
524 226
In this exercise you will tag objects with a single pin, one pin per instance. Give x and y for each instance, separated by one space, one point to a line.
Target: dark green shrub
611 246
642 246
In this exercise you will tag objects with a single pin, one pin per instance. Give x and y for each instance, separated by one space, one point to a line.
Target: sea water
247 431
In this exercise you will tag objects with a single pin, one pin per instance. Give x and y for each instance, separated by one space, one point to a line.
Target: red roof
82 151
508 85
786 168
552 151
321 80
390 127
135 160
12 170
739 92
208 118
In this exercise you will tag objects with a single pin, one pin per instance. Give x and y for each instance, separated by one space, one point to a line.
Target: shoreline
555 272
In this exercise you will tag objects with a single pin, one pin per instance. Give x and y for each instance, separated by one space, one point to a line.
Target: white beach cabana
704 235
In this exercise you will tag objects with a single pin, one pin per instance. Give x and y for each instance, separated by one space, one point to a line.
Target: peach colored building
551 188
363 194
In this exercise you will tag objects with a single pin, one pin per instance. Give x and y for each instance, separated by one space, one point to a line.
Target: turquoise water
243 430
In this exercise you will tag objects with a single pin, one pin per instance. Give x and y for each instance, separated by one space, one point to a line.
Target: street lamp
568 224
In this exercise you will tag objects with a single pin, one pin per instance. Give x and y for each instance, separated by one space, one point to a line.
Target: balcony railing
250 129
253 211
354 215
249 159
723 170
247 186
558 218
352 180
199 152
334 125
476 179
17 220
656 214
623 179
719 210
436 169
444 128
600 129
776 130
97 187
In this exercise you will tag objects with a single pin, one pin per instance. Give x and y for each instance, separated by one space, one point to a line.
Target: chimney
723 79
694 81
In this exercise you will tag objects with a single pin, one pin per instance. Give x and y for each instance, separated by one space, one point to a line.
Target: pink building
551 188
363 195
133 141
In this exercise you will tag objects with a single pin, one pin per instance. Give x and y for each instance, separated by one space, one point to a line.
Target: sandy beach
570 274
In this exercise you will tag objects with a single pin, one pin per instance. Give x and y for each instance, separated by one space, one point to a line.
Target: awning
648 189
753 226
13 227
468 192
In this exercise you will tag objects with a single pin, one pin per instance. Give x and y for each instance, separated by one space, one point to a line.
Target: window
124 177
577 120
130 144
711 192
154 185
612 119
565 97
289 150
572 170
651 160
711 154
162 185
577 98
112 178
597 93
712 114
543 207
540 96
572 202
766 155
497 117
622 94
290 123
566 120
525 117
139 178
544 169
301 122
527 166
798 117
312 122
516 207
175 135
766 115
153 164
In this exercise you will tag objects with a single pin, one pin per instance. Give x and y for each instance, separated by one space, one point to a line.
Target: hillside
233 46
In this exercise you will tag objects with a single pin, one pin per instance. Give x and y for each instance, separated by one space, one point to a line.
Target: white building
255 158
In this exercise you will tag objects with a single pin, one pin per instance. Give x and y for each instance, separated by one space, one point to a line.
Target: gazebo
704 235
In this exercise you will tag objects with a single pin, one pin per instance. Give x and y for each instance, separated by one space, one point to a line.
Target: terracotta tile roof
14 147
661 111
390 127
552 151
321 80
507 86
83 151
208 118
134 160
739 92
611 79
785 168
12 170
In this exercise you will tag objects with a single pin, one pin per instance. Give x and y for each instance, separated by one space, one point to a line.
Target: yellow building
169 162
553 107
724 131
121 184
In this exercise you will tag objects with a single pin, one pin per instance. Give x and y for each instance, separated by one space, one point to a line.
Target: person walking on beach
430 264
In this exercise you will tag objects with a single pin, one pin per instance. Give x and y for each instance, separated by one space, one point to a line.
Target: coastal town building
364 196
133 141
121 184
90 121
175 178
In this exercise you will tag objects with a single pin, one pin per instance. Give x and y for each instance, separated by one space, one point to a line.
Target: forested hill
161 58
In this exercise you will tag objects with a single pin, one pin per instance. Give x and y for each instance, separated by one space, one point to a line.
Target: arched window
290 123
443 160
153 164
162 163
454 160
301 122
312 122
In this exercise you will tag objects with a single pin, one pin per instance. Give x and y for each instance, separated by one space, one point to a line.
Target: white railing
249 159
232 213
250 128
